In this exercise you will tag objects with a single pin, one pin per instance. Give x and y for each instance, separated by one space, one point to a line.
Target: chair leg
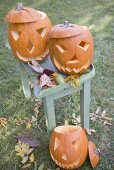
48 103
85 105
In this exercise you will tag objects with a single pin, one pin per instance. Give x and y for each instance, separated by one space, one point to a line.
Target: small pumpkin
93 154
68 146
28 33
71 48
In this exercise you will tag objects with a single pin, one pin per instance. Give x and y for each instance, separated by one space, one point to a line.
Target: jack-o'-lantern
28 33
71 48
68 146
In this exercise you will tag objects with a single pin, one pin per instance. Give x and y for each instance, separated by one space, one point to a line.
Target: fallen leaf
17 122
28 138
21 154
28 125
103 113
78 119
41 167
36 66
93 130
18 147
45 80
34 119
93 118
112 98
107 118
107 123
88 131
91 114
98 110
31 157
30 150
31 84
25 148
3 121
66 122
24 160
26 166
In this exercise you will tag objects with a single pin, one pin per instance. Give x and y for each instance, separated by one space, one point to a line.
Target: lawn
98 15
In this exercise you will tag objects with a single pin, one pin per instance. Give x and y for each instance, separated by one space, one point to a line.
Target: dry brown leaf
31 84
93 130
88 131
107 123
93 118
26 166
107 118
103 113
3 121
78 119
98 110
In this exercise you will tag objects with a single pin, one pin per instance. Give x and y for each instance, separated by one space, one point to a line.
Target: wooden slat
24 80
84 78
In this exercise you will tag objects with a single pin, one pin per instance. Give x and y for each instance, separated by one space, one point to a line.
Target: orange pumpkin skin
93 154
29 40
68 146
71 48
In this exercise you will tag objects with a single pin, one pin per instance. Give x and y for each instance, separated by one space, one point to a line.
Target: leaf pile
102 116
73 80
25 152
27 121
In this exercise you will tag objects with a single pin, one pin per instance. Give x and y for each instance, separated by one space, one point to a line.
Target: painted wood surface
51 94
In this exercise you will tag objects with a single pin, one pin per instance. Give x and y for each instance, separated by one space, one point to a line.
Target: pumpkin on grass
68 146
93 154
28 33
71 48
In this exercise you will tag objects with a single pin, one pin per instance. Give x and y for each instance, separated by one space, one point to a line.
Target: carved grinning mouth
39 58
66 69
66 166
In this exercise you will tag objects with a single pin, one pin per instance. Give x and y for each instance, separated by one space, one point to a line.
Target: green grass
98 15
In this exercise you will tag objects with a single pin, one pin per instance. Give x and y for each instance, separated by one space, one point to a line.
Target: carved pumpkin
68 146
28 33
93 154
71 48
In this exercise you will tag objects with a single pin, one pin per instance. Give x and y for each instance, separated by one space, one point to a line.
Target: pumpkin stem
19 6
66 24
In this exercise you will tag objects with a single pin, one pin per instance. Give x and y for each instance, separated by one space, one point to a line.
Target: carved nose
30 46
73 60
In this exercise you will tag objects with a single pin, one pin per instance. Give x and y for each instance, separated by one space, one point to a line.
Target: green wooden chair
49 95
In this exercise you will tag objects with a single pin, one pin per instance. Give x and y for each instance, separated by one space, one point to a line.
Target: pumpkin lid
65 30
22 14
93 154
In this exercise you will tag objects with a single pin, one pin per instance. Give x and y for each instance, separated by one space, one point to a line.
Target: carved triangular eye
76 143
84 45
61 48
15 34
57 143
42 31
